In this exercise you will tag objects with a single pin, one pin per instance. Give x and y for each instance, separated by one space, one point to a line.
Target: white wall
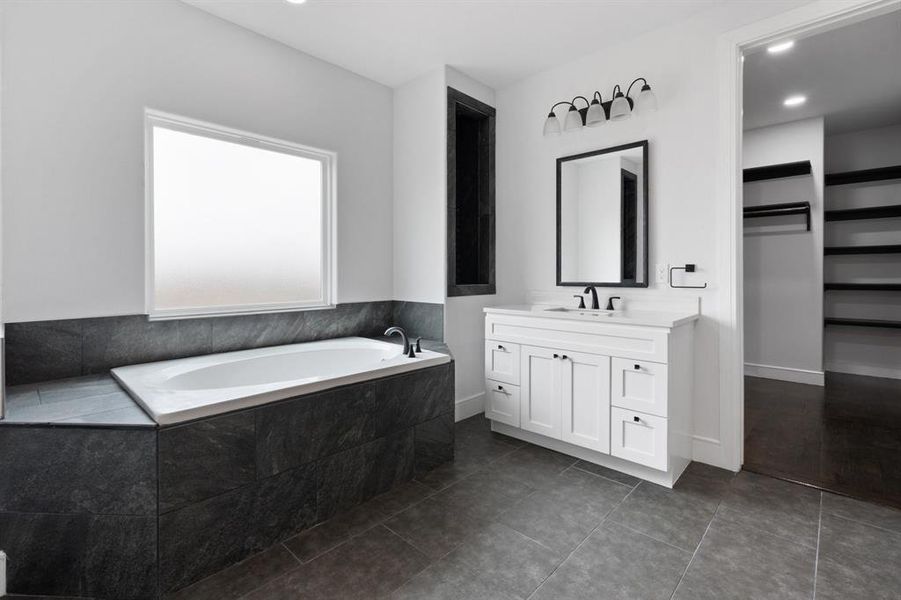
680 63
420 189
875 352
783 263
464 321
77 76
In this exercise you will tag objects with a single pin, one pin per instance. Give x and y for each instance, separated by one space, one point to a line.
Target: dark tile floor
509 520
844 437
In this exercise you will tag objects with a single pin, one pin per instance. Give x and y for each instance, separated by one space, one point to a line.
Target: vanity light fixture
793 101
781 47
597 111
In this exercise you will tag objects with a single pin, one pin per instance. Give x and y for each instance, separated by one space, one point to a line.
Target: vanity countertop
646 318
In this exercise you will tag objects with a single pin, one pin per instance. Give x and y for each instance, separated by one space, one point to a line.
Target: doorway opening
821 253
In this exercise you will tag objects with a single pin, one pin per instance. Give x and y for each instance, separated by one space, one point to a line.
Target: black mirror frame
619 284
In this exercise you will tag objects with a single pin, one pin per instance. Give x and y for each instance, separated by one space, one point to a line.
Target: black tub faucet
594 297
403 335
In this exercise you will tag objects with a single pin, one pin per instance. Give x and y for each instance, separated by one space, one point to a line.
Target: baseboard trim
786 374
869 371
469 407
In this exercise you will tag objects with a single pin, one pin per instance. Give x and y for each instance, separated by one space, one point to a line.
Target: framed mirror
602 217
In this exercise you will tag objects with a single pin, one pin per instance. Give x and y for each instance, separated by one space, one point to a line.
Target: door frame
816 17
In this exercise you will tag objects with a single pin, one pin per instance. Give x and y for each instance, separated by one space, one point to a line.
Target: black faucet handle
411 353
418 346
581 300
610 302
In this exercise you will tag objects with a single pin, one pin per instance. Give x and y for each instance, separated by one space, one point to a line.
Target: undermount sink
585 312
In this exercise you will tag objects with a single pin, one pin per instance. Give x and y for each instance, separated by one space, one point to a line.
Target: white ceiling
850 75
495 42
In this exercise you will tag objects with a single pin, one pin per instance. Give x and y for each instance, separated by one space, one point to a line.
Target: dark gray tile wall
233 485
420 319
77 511
45 350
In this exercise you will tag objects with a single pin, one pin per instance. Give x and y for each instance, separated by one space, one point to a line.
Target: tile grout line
816 560
582 543
643 534
864 523
626 485
695 553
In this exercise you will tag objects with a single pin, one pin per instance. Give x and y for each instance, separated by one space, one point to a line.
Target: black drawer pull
499 347
636 419
564 357
500 387
556 356
638 367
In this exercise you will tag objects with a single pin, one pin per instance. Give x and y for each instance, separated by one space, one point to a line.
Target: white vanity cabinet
613 389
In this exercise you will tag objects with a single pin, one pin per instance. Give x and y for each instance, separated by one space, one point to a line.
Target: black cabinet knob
564 357
556 356
637 367
499 347
636 419
500 387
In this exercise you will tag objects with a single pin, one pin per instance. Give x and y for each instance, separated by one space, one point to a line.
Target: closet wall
783 262
850 349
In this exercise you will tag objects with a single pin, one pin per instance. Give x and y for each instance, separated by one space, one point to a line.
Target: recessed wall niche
470 196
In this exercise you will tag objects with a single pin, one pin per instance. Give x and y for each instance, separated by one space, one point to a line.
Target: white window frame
327 159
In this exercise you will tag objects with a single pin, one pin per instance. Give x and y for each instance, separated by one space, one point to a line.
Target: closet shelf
863 323
887 249
873 212
864 175
870 287
779 210
780 171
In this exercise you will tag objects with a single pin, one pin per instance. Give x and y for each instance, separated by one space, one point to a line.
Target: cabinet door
639 438
540 390
502 361
502 402
586 400
640 385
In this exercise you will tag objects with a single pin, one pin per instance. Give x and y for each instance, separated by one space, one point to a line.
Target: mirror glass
602 217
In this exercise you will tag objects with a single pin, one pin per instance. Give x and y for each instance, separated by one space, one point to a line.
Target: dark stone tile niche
470 195
139 513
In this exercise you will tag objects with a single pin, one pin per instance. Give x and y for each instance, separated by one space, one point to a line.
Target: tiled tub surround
46 350
107 512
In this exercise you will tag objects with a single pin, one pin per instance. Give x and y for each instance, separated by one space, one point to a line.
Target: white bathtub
179 390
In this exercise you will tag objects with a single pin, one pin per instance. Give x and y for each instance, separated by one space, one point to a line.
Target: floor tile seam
865 523
429 561
582 543
625 485
656 539
695 553
417 548
284 575
784 538
338 544
816 559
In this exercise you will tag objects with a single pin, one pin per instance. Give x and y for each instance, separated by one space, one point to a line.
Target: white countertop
647 318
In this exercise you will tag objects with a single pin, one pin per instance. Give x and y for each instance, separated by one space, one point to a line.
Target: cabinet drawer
639 385
639 438
502 402
502 362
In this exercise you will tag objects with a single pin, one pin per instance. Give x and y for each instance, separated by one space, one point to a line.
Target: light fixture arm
554 107
597 96
573 103
637 79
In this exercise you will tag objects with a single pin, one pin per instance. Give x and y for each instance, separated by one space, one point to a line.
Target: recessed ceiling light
780 47
794 100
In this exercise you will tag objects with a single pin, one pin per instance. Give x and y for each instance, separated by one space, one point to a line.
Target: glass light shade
620 108
596 115
646 101
573 120
552 125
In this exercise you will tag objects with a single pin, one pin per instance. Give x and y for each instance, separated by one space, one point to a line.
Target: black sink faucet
403 335
594 297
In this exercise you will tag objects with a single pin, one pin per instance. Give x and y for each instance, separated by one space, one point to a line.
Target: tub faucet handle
418 346
411 353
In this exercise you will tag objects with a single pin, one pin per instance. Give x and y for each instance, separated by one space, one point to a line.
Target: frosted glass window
239 224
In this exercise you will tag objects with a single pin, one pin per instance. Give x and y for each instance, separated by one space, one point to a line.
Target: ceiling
495 42
850 75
